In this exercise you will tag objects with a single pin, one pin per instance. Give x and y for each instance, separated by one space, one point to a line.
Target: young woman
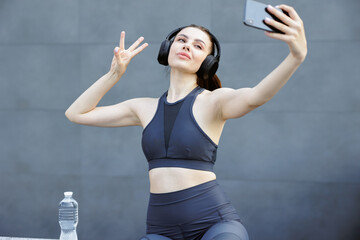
182 128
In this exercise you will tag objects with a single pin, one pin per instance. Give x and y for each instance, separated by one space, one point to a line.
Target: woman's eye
183 40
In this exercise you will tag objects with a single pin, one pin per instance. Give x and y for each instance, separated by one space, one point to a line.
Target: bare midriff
171 179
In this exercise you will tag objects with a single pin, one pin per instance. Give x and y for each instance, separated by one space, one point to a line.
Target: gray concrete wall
291 167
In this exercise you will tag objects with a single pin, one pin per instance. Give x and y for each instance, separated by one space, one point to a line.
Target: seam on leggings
220 215
192 220
181 230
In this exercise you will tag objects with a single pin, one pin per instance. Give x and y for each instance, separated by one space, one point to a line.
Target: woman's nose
186 47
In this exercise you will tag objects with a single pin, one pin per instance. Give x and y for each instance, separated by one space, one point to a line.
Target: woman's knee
230 230
154 237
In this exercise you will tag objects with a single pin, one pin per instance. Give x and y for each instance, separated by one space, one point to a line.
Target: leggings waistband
181 195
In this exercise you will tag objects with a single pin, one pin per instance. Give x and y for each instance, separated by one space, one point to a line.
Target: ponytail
210 84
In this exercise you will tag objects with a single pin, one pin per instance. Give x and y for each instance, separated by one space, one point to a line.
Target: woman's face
189 49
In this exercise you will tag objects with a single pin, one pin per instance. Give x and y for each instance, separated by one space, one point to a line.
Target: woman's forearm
92 96
294 35
88 100
273 82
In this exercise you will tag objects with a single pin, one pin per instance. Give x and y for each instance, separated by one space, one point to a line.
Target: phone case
255 14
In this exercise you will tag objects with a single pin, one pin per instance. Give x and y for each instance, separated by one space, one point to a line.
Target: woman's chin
182 67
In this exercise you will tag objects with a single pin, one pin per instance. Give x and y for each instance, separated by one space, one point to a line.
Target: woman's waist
171 179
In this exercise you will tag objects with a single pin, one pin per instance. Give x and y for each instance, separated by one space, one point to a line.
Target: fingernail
267 19
271 7
116 49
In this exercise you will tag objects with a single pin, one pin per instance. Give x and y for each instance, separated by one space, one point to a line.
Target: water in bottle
68 217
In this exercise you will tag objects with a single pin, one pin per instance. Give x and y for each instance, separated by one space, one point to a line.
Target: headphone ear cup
164 52
208 67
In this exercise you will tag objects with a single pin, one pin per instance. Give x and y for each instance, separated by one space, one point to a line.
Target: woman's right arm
84 110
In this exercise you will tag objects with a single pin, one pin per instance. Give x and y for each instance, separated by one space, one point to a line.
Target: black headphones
208 67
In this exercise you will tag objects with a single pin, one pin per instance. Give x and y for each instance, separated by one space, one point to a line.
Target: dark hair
213 83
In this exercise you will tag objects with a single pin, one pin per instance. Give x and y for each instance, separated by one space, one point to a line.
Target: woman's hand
123 57
293 28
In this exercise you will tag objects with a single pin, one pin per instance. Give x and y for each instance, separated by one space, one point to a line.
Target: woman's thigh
230 230
154 237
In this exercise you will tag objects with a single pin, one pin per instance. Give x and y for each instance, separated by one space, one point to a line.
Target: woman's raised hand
293 28
122 56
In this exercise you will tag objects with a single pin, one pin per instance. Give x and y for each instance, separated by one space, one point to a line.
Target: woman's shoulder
141 101
214 95
223 93
143 106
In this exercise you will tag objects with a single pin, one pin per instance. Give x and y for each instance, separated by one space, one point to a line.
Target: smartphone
255 14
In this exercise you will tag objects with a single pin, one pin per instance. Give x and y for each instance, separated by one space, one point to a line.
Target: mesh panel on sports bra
170 113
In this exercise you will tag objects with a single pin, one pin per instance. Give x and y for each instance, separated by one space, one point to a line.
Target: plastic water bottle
68 217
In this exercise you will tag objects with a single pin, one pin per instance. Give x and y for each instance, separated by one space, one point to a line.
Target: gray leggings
231 230
202 212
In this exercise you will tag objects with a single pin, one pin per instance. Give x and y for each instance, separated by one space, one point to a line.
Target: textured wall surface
291 167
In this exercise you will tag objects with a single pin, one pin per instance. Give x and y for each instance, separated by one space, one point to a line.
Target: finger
136 44
280 26
292 13
278 36
122 40
282 16
116 51
139 49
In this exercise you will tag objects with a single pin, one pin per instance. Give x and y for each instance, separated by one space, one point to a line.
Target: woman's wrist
115 74
297 60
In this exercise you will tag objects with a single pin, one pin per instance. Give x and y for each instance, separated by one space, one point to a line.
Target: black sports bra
173 138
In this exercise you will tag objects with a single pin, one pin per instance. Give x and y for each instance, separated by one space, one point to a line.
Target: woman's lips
184 55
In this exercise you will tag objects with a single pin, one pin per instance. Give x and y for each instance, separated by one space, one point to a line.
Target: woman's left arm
236 103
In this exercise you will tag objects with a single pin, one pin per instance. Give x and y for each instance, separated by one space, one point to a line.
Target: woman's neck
181 84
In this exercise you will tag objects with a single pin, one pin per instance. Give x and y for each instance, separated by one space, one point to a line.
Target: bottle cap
68 194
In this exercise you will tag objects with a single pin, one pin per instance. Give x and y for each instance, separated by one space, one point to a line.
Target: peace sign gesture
122 56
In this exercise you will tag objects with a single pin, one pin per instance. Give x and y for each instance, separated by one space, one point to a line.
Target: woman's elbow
69 116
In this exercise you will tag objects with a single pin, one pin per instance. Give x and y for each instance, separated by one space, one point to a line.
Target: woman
183 126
